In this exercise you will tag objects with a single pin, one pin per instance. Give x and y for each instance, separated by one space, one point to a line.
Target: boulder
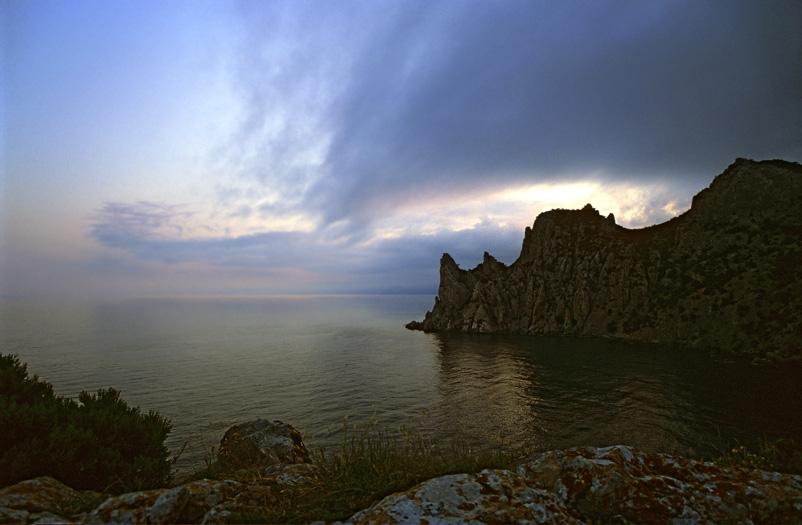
262 443
617 484
588 484
491 496
44 500
204 501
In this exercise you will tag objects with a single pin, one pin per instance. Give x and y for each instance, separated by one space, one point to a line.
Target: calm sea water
209 363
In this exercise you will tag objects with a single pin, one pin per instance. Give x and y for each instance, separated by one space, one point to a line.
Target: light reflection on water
553 393
208 363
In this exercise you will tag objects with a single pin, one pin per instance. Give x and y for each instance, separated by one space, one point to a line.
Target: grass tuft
782 455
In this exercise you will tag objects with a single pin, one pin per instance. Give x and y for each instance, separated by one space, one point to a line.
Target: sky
283 147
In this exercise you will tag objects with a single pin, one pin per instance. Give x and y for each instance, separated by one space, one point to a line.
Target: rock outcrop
490 496
726 274
606 485
611 484
43 500
271 451
204 501
262 443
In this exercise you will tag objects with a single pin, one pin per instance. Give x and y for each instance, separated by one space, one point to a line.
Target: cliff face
726 274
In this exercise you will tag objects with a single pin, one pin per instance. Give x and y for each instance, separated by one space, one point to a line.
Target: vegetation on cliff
98 443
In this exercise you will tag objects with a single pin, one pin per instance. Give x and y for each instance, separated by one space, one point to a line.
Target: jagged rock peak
561 217
447 260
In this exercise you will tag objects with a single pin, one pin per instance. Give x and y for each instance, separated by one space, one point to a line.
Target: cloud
448 97
349 113
372 137
120 223
400 252
290 67
157 232
170 234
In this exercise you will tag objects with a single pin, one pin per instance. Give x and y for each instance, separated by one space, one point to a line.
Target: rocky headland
579 485
725 275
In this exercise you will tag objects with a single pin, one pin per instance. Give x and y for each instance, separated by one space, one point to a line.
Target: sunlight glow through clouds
548 192
634 206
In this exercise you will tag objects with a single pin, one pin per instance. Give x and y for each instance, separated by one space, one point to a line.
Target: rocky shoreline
578 485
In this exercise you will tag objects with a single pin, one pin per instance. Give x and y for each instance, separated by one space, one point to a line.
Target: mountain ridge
724 275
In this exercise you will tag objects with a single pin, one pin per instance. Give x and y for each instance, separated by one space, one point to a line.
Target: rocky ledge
579 485
725 275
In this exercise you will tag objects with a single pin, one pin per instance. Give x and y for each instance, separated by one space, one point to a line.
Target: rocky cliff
726 274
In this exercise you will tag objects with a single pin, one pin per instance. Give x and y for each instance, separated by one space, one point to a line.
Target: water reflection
490 394
543 393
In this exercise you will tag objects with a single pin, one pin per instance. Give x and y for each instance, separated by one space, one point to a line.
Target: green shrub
98 443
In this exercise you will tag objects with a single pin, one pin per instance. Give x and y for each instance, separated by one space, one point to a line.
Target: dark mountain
725 275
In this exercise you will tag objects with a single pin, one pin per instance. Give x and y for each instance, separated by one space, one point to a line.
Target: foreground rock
44 500
613 484
617 483
205 501
727 274
270 454
202 501
491 496
261 443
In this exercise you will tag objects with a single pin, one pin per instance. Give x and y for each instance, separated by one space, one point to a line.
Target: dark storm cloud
482 93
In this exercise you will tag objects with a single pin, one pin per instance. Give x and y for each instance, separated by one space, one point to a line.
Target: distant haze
207 147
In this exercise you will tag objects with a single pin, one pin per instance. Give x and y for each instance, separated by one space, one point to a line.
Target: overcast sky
335 146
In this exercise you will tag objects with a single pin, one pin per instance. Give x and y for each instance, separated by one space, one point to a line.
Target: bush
98 443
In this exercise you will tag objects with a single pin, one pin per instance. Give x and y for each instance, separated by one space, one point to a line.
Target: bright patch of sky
325 147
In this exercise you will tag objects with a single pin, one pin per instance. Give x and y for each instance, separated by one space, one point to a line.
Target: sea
322 362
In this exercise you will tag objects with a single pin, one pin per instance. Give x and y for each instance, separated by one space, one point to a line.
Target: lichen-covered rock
43 500
726 274
133 507
262 442
195 502
288 475
169 506
270 452
205 496
611 484
617 483
490 496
